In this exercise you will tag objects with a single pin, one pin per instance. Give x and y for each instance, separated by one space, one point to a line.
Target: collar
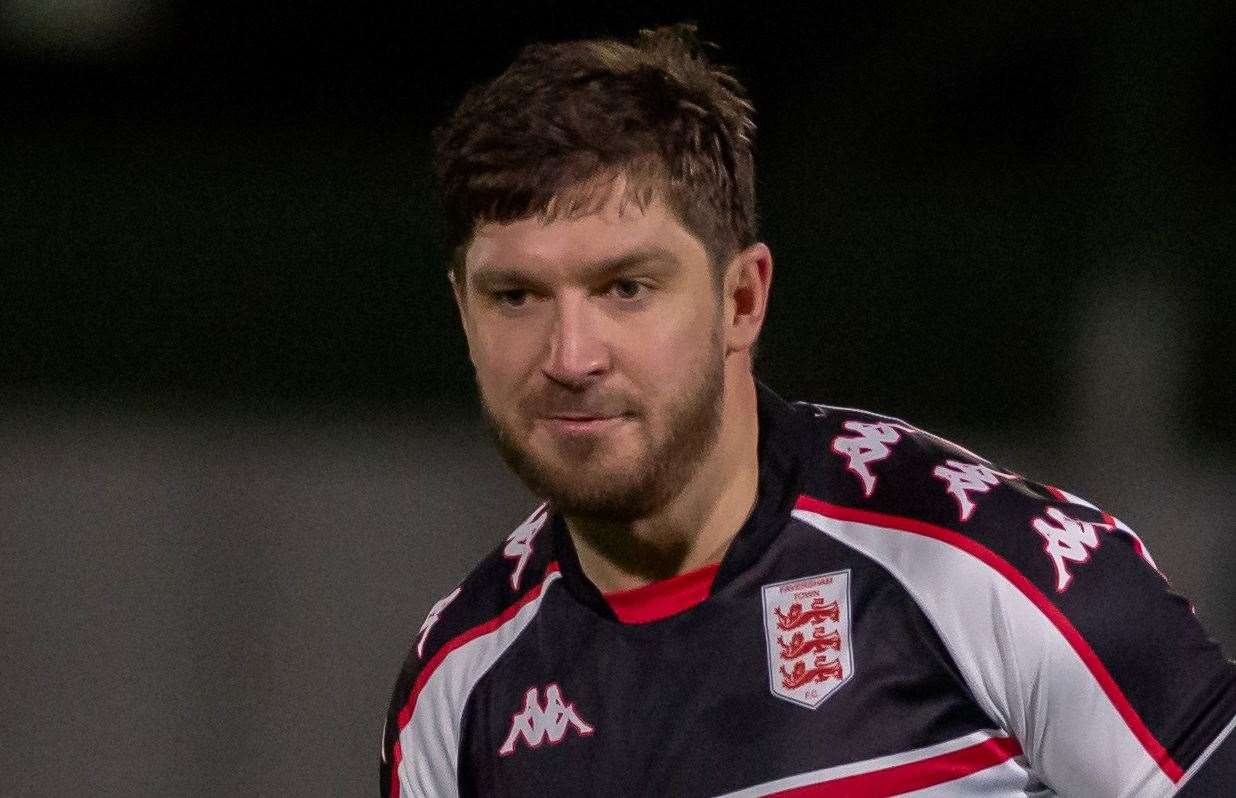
784 444
663 598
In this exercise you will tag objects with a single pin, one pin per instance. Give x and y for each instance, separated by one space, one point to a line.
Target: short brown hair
550 134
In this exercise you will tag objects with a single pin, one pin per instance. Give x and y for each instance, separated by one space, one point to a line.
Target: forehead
566 243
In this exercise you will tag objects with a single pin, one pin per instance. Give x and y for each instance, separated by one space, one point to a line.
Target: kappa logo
871 444
1111 521
519 543
432 619
963 479
536 723
1067 540
817 658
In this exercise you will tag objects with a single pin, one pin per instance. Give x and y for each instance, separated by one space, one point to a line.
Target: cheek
689 335
674 352
503 355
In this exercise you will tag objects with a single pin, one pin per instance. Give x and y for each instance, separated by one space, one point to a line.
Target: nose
578 353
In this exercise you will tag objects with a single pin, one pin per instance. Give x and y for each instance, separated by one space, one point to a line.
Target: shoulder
979 544
501 582
894 473
946 517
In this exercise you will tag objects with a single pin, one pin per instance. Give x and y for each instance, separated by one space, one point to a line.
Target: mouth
577 425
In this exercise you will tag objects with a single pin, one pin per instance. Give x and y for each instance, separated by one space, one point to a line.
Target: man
726 593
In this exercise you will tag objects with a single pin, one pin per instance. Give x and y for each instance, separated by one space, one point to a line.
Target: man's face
599 354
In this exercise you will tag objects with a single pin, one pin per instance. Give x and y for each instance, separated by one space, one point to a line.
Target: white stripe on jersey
1020 668
1205 755
1006 778
430 740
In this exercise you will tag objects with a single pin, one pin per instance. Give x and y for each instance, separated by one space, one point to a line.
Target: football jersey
897 616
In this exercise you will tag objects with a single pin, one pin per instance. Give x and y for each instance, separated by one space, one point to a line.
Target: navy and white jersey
897 616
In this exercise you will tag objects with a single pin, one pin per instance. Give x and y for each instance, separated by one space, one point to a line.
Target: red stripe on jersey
912 775
480 630
663 598
1153 747
396 758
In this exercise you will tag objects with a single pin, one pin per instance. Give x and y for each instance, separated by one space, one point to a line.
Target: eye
628 289
512 297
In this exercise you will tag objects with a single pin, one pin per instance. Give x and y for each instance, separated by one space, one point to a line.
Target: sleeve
1102 672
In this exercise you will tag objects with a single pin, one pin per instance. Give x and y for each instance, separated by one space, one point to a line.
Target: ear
747 281
459 291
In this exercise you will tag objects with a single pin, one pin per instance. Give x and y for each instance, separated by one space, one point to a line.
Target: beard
594 482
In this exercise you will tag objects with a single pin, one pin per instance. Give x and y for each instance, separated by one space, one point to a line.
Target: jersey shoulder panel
498 581
888 466
475 621
1047 535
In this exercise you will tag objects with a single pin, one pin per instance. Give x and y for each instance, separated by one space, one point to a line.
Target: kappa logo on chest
807 632
537 723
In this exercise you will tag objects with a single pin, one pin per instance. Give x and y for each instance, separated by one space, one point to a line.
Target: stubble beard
638 486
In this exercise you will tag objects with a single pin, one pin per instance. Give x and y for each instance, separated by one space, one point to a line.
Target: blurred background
240 453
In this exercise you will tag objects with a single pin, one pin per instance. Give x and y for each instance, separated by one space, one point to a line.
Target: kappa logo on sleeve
1067 540
871 444
536 723
1112 522
807 631
432 620
519 543
962 479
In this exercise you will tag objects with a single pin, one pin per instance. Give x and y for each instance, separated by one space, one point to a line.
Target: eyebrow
486 276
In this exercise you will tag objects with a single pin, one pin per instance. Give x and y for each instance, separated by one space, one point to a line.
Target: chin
615 493
616 507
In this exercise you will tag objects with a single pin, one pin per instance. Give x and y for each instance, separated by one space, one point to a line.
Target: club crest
807 630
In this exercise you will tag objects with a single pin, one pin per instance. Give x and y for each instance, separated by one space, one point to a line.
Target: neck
696 526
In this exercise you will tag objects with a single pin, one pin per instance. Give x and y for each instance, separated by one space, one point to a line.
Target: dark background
238 436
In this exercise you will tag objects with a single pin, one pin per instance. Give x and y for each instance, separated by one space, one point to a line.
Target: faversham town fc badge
807 630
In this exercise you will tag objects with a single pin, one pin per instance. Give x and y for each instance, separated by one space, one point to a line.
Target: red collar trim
663 598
